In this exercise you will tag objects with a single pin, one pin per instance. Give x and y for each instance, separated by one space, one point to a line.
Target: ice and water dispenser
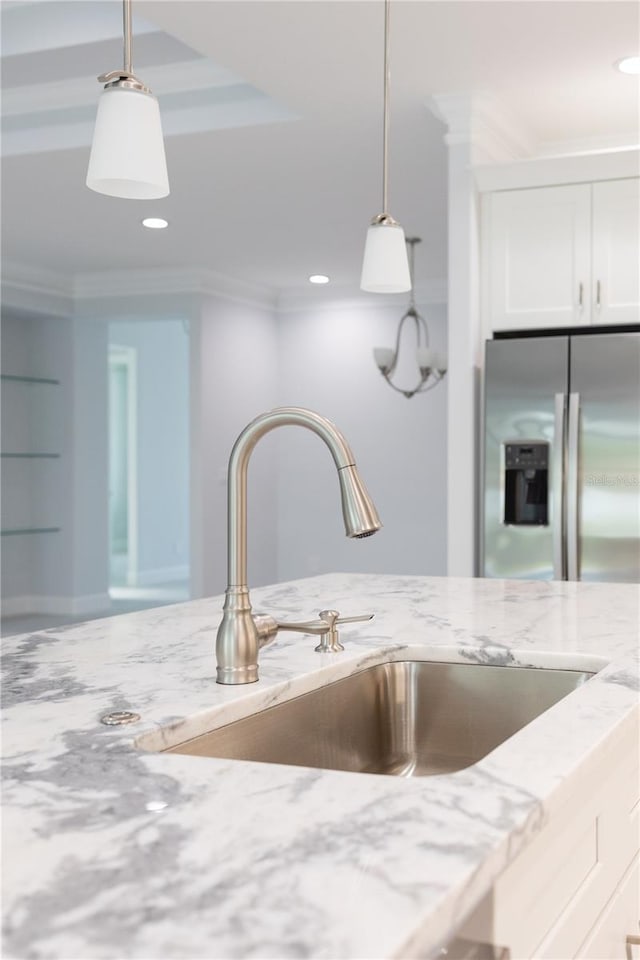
526 484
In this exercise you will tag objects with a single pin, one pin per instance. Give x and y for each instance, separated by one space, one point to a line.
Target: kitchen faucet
241 634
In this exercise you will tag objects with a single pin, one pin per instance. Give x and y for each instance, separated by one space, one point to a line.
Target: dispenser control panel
526 484
518 456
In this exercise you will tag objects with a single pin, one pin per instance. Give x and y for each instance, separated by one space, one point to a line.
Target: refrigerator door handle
573 465
557 479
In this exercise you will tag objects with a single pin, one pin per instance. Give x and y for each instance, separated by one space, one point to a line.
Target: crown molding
430 292
483 123
496 136
105 284
551 171
36 289
241 291
587 146
37 279
45 291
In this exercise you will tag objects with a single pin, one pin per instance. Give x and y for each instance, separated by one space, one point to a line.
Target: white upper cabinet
539 257
562 256
616 252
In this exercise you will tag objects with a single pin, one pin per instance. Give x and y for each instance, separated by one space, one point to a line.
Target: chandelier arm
398 337
411 244
430 385
421 327
407 393
425 329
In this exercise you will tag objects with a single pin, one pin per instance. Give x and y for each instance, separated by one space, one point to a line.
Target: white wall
234 375
326 364
162 376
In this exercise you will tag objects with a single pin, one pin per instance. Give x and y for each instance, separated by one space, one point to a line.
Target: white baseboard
17 606
55 606
149 578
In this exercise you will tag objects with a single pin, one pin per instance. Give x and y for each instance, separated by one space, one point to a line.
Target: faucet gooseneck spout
238 641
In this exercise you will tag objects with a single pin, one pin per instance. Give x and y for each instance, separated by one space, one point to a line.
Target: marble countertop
112 852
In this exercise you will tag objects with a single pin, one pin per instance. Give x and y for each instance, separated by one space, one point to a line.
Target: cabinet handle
580 295
598 291
558 486
572 491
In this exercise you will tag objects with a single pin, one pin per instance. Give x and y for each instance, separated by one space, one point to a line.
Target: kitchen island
111 851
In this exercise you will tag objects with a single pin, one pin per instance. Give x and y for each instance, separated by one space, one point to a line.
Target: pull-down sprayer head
360 515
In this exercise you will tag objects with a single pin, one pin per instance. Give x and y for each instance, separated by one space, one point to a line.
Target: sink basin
405 718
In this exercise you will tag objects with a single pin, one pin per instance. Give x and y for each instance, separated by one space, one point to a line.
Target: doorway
149 468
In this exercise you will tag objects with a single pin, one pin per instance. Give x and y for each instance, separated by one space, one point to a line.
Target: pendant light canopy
385 268
127 154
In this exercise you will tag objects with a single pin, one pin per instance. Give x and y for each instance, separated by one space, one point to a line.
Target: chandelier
432 366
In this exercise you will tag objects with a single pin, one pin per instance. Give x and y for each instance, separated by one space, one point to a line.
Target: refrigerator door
603 479
526 382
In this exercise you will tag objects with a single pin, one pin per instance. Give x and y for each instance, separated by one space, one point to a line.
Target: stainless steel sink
409 719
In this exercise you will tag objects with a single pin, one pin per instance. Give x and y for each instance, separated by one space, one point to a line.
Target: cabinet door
616 935
616 251
539 258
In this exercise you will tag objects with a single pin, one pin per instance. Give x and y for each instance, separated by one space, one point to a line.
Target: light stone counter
110 852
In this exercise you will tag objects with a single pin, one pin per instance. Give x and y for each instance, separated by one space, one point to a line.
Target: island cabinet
561 256
574 891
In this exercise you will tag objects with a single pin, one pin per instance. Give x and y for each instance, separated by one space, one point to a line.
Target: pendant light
127 154
385 268
431 366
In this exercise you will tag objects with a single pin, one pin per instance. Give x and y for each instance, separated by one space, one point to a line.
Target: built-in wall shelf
32 432
18 532
32 456
11 378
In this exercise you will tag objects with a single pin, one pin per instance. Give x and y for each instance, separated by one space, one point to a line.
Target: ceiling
272 118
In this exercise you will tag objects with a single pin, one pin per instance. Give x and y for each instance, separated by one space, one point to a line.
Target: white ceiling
286 177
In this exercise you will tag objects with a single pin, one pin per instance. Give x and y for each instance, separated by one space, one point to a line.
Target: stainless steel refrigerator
562 457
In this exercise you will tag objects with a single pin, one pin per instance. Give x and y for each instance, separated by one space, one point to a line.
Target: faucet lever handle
363 619
330 640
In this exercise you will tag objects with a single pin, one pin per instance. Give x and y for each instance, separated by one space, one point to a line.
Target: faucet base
237 674
237 641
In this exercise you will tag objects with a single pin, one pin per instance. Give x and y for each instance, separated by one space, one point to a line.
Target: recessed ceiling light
318 278
629 65
155 223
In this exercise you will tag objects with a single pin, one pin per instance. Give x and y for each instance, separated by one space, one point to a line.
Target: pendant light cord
127 31
411 242
385 120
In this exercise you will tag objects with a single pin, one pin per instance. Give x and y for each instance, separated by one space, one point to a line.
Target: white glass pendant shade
383 357
385 268
426 358
127 154
441 363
